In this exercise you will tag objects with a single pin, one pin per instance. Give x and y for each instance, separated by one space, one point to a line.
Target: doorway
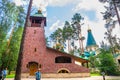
33 66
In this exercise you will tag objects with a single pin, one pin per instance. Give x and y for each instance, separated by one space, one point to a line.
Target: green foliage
58 39
76 25
95 74
107 63
93 61
56 34
70 33
11 16
10 76
12 55
77 18
67 31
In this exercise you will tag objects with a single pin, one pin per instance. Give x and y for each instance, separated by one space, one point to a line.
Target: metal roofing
90 39
38 14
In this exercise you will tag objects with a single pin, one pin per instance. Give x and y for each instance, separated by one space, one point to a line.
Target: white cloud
19 2
40 4
56 25
36 3
44 3
61 2
90 5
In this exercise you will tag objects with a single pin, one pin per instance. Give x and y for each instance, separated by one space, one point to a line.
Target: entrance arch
33 66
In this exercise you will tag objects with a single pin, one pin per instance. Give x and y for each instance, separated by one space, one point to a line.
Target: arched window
62 59
63 70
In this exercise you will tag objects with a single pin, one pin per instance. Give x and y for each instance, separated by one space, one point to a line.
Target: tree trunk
20 56
80 47
81 44
68 46
116 12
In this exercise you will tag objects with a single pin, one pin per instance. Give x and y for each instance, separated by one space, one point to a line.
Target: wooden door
33 68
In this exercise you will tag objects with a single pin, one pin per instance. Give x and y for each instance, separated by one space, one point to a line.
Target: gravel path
88 78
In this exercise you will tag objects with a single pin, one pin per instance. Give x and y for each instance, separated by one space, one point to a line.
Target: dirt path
88 78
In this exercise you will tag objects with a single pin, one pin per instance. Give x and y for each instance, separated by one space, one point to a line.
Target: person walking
38 75
4 72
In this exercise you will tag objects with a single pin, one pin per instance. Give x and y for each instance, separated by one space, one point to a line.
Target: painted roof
38 14
90 39
86 53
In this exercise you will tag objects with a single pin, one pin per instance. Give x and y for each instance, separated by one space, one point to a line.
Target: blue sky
59 11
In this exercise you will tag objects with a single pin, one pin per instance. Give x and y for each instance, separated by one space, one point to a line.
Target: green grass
95 74
10 76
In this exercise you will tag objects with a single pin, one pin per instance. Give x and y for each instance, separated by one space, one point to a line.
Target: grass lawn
10 76
95 74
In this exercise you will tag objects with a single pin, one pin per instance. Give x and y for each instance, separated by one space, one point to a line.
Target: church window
35 50
62 59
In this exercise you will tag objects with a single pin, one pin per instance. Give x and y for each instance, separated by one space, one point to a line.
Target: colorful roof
90 39
38 14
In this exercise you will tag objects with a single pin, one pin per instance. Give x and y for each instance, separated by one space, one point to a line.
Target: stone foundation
59 75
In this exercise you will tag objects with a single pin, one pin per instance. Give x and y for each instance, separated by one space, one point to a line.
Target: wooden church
53 63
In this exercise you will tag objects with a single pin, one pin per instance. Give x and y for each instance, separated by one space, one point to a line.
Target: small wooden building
53 63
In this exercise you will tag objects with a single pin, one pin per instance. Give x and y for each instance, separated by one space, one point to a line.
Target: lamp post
103 74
